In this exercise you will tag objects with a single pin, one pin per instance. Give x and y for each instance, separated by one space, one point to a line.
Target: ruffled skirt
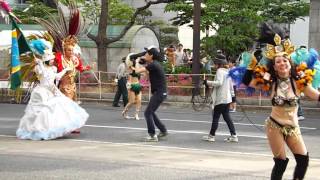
48 116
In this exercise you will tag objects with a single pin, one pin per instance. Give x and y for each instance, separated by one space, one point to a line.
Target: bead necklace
284 86
69 63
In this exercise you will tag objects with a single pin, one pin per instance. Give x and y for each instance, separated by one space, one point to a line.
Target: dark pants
300 112
152 119
217 111
122 90
234 98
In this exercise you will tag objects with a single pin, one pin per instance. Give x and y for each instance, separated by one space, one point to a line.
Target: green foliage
66 2
169 29
158 23
34 8
91 10
119 13
236 21
167 39
185 9
168 33
142 17
180 69
286 12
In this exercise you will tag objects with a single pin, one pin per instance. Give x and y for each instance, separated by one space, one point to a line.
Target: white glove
58 78
67 69
128 85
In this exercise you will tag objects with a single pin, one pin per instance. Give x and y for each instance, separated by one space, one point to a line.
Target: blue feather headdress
39 46
42 48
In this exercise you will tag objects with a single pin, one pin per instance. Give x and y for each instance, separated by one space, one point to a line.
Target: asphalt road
110 147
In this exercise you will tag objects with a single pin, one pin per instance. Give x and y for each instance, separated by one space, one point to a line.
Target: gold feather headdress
282 48
70 40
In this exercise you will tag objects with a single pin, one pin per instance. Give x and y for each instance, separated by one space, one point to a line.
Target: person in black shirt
159 93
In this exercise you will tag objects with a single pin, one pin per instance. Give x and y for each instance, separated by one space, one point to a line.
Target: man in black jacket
159 93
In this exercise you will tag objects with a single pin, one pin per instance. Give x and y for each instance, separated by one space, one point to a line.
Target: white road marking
8 119
209 122
4 119
172 131
167 147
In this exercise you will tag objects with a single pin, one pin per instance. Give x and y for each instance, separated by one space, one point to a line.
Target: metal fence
100 86
97 85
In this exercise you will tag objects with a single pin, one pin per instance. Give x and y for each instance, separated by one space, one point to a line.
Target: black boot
301 167
278 169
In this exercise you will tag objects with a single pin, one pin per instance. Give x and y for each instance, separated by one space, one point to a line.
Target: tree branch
133 19
92 37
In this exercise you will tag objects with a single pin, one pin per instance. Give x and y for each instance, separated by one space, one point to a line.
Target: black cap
152 50
220 59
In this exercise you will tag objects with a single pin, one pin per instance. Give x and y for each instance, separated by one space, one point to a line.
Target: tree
119 13
102 40
168 34
142 18
34 8
236 21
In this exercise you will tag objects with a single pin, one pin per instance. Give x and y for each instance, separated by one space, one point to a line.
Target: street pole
314 32
196 42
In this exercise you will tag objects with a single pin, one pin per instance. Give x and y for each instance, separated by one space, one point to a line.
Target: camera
135 56
142 61
140 55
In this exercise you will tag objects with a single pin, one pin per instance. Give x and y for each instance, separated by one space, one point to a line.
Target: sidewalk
224 165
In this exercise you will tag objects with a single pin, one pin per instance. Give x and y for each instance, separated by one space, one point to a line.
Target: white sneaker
209 138
300 118
150 138
124 114
136 116
232 110
232 138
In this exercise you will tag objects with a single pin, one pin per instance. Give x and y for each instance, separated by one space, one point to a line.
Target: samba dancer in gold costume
69 60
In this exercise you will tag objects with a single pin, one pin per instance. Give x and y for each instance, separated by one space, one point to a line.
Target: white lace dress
49 114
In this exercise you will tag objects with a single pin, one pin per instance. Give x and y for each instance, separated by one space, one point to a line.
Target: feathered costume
64 32
49 114
254 68
282 125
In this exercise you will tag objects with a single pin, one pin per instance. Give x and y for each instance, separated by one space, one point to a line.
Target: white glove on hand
128 85
67 69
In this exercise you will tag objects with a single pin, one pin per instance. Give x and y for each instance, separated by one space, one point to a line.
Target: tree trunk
102 58
196 42
102 37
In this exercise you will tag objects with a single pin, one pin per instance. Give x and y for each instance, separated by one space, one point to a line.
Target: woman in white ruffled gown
49 114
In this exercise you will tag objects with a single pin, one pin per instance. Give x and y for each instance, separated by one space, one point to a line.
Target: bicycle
201 96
